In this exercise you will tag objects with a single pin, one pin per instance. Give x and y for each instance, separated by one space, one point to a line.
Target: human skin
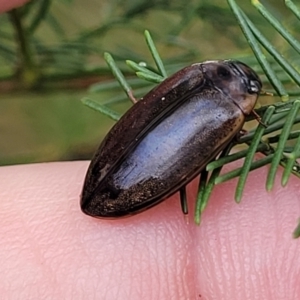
6 5
50 250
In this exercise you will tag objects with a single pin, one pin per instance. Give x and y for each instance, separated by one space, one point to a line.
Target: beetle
168 137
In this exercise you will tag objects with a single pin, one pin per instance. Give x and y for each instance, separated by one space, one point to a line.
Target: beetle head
234 79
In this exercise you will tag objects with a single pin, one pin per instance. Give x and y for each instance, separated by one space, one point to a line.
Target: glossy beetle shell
164 140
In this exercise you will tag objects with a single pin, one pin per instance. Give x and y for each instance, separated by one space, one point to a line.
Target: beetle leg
240 134
258 118
183 200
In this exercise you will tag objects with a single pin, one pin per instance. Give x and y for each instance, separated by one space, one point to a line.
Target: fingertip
8 5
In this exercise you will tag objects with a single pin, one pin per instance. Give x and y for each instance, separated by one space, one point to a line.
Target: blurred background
51 54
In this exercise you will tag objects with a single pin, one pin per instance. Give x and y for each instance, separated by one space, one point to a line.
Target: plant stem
28 72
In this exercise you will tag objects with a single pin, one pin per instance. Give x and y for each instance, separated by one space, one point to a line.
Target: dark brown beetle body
166 139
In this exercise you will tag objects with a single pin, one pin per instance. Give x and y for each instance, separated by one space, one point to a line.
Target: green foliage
282 116
46 41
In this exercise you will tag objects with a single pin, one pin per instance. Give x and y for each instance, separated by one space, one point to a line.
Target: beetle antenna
265 93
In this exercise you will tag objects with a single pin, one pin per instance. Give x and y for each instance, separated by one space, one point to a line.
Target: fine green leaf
281 143
200 194
205 190
119 76
233 157
289 69
148 77
293 8
257 51
251 152
277 25
296 233
142 70
235 173
290 162
155 55
101 108
40 15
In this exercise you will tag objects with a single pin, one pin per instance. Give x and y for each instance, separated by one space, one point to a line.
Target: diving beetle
168 137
